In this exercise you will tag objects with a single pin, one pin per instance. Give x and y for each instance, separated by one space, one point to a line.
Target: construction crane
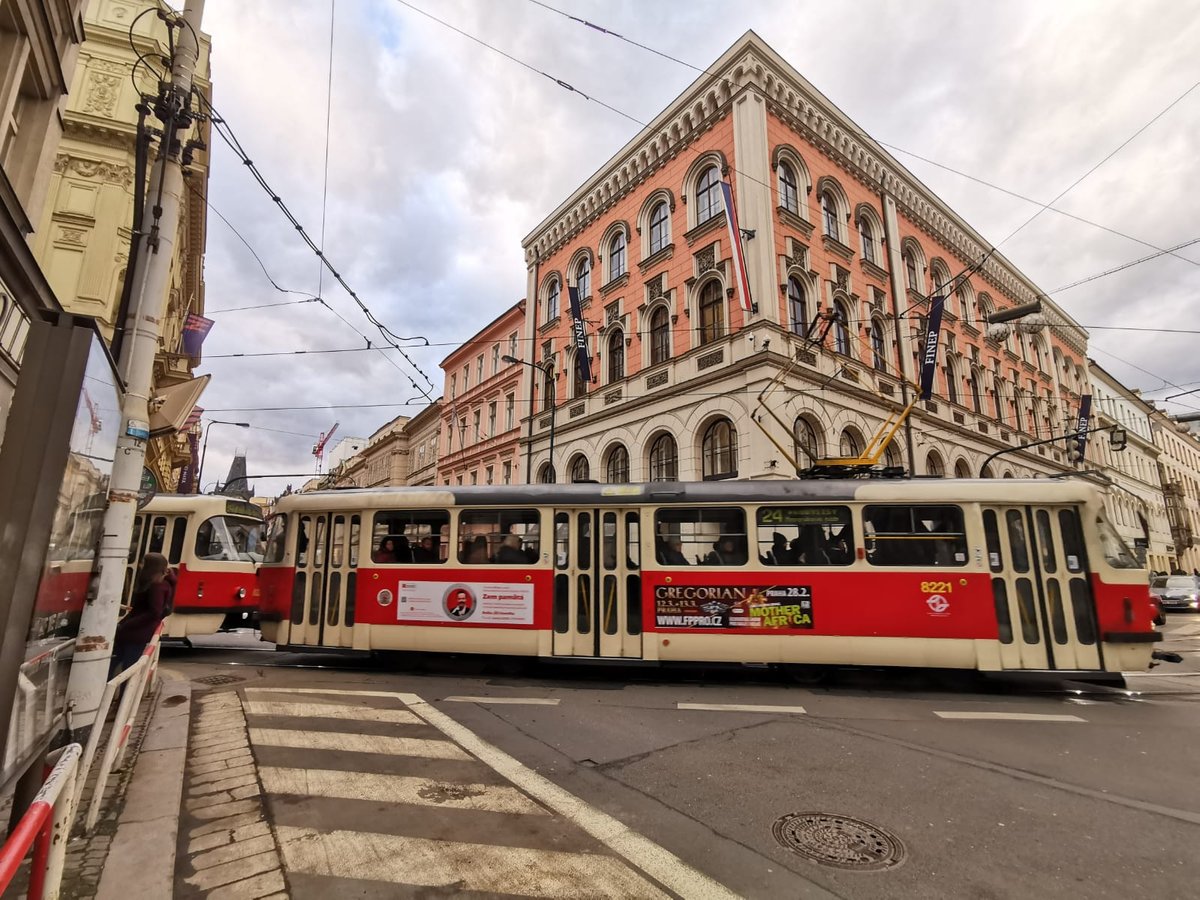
319 447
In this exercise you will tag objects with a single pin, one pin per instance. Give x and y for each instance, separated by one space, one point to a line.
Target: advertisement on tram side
733 606
422 602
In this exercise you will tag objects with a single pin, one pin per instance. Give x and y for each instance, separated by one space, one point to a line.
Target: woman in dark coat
151 596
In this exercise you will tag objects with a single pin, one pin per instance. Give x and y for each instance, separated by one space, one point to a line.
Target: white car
1177 592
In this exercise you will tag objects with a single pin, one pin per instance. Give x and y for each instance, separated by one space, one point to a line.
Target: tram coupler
1166 656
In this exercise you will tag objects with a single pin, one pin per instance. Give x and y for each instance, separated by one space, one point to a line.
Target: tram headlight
200 591
241 593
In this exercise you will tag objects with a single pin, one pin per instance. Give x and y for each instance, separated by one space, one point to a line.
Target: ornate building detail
657 288
658 379
708 360
112 173
102 92
73 236
706 259
612 397
841 279
612 312
577 410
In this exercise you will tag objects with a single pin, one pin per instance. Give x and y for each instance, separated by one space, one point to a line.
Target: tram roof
209 504
1011 490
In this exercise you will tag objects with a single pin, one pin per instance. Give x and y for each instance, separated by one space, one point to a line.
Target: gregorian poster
733 606
419 602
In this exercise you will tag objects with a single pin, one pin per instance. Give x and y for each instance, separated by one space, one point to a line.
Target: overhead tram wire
328 114
391 339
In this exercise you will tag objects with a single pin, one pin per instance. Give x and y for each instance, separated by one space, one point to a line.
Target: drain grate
839 841
219 679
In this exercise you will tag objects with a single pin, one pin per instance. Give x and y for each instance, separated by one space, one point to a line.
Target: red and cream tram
987 575
213 544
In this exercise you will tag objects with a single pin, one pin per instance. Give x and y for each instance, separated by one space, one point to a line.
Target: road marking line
512 701
397 789
1017 717
660 864
332 711
332 691
462 866
742 707
355 743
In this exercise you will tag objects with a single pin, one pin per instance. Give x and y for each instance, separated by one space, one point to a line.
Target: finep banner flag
187 475
1081 429
579 337
195 330
735 242
932 333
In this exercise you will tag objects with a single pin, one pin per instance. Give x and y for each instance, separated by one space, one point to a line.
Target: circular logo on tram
459 602
937 604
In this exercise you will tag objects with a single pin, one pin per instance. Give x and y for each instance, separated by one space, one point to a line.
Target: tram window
1081 605
298 595
1115 550
805 536
351 587
991 533
562 540
915 536
633 540
319 542
1058 619
562 603
583 603
1003 619
1068 523
178 533
138 524
229 538
355 523
335 596
499 536
314 600
276 539
633 604
337 542
158 534
1046 541
610 604
608 547
1029 623
302 541
585 541
1016 540
707 537
411 536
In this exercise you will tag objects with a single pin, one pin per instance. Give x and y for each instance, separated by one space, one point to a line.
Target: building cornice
751 64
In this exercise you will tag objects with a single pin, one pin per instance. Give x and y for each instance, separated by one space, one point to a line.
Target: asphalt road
958 789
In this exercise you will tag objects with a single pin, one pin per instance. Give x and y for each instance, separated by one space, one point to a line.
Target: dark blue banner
579 337
932 333
1081 429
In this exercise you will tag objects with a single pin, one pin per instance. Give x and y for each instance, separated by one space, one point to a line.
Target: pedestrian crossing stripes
380 787
1010 716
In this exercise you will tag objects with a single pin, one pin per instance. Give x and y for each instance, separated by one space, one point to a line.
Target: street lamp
546 372
204 452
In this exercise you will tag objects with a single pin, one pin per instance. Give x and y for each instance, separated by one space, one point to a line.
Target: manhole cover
219 679
839 841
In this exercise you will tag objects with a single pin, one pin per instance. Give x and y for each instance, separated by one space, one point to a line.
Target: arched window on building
951 379
580 470
934 467
878 345
660 227
616 468
719 451
850 445
616 356
973 387
806 442
546 474
664 459
998 400
616 256
829 215
797 314
553 292
660 336
866 232
841 328
579 386
789 194
912 278
712 313
709 202
961 469
583 278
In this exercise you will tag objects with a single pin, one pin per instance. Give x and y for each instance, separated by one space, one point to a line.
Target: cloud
443 155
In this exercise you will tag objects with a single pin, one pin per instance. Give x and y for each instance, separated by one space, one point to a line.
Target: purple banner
1081 428
579 337
932 332
195 330
187 474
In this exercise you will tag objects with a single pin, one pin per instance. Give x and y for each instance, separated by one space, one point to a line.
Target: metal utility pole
891 231
151 279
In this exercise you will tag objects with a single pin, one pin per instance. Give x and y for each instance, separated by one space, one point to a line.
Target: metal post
89 671
204 451
891 231
548 377
529 446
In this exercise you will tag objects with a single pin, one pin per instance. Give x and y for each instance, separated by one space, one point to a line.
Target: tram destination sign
752 607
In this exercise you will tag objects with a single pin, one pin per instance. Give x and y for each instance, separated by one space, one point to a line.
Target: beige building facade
1179 471
424 441
86 224
1134 500
401 452
843 248
39 44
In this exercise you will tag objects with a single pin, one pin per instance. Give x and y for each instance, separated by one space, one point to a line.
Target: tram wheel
804 674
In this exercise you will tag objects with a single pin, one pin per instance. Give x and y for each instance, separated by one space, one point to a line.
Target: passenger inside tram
510 552
475 551
386 551
726 552
670 552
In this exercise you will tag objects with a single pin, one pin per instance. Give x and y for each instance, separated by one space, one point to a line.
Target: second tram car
987 575
213 544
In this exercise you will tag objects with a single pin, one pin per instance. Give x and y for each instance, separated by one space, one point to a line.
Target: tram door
1044 605
597 583
326 575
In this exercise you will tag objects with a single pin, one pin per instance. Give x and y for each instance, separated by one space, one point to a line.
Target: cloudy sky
444 154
